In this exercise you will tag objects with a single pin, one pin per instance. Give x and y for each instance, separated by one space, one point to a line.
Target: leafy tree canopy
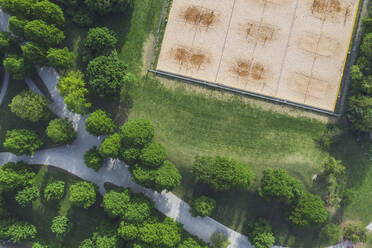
100 41
93 159
36 54
153 156
22 142
18 67
43 34
99 123
26 196
137 133
49 12
61 225
54 190
202 206
110 147
61 131
83 194
115 202
60 59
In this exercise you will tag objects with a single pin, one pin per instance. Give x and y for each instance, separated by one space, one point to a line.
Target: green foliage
21 231
128 231
143 176
260 234
15 175
87 243
106 75
22 142
49 13
360 112
167 177
61 225
366 46
61 59
222 173
355 232
23 8
99 123
100 41
72 88
333 166
26 196
93 158
219 240
106 242
166 234
17 26
30 106
110 147
130 156
38 245
61 131
54 190
6 41
153 156
137 133
138 209
115 202
190 243
277 185
330 234
309 211
43 34
82 194
18 67
202 206
103 7
34 53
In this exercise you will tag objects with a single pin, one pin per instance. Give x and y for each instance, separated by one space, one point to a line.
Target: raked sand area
289 49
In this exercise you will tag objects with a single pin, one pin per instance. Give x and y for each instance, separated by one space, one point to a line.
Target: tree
115 202
49 13
30 106
366 46
110 147
60 59
17 67
261 234
130 156
15 175
106 242
21 231
128 231
138 209
6 41
22 142
309 211
93 159
26 196
137 133
333 166
43 34
153 156
34 53
61 225
54 191
355 232
106 75
202 206
360 113
167 177
38 245
330 234
99 123
72 88
277 185
99 42
219 240
23 8
17 25
190 243
103 7
61 131
82 194
222 173
264 240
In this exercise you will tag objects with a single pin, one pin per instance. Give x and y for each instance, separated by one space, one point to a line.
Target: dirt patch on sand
199 17
318 45
261 32
249 70
189 58
309 86
331 10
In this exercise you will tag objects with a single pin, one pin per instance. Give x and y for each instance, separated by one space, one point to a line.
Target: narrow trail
4 88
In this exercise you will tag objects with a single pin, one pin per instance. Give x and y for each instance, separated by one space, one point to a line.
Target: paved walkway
4 88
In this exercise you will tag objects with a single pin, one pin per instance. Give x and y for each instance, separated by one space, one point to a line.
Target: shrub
18 67
26 196
355 233
34 53
49 12
22 142
153 156
261 234
131 156
43 34
17 26
137 133
38 245
99 123
115 202
330 234
83 194
21 231
60 226
15 175
54 191
60 59
100 41
138 209
219 240
30 106
110 147
202 206
128 231
93 158
61 131
222 173
167 177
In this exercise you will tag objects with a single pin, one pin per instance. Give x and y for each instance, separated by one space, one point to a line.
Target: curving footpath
70 158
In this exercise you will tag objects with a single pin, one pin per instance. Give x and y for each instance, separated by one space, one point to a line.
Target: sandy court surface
290 49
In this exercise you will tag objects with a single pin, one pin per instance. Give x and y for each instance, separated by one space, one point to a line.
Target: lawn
9 120
84 222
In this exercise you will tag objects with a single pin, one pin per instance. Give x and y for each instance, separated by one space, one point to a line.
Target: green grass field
41 214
